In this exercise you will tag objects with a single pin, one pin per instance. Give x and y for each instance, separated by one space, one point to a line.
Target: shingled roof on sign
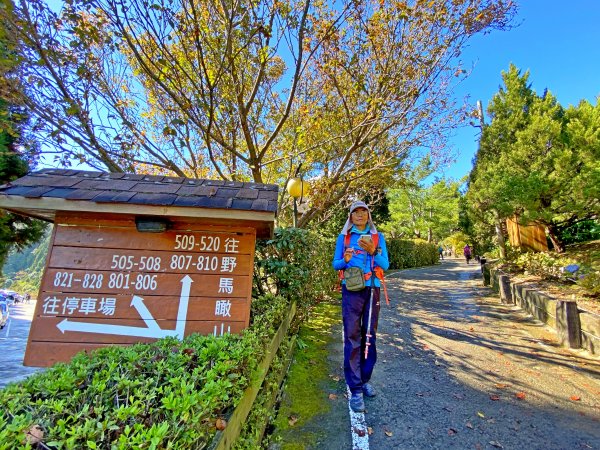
41 194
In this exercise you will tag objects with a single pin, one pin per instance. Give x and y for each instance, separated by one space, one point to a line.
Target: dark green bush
295 264
587 230
404 254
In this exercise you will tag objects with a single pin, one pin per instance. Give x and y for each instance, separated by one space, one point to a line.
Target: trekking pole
368 336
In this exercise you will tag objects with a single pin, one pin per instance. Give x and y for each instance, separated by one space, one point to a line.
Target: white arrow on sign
122 330
138 303
152 329
184 299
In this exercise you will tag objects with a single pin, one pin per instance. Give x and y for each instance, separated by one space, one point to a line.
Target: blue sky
557 41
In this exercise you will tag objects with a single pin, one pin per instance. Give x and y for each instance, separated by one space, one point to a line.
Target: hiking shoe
368 390
357 404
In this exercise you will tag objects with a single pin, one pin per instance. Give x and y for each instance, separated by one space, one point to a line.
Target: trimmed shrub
166 394
295 264
404 254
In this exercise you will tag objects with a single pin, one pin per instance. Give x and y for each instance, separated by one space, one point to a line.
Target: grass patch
305 393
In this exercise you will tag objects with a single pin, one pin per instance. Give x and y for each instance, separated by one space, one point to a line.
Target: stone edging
576 328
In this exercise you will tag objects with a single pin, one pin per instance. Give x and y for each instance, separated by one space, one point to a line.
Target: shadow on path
457 369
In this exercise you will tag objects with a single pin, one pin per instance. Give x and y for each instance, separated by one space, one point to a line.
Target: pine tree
536 160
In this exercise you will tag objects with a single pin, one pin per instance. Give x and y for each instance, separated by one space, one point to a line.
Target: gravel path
457 369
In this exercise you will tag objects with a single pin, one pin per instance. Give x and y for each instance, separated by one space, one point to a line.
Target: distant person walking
467 253
441 252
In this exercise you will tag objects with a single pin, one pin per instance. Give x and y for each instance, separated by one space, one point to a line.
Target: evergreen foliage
423 211
23 270
536 160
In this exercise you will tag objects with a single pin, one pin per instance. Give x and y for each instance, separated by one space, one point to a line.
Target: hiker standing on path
467 253
360 246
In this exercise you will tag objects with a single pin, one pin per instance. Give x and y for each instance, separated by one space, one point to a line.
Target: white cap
355 205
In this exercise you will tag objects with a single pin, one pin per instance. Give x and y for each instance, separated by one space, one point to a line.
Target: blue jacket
360 258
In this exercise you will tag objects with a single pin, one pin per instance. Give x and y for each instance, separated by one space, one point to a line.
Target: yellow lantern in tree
297 187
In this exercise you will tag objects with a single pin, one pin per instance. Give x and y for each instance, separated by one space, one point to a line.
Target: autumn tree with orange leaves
247 90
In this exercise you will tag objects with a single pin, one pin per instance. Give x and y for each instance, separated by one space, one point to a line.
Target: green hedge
295 264
162 395
405 254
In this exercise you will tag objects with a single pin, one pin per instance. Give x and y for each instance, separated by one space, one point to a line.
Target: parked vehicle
11 296
4 311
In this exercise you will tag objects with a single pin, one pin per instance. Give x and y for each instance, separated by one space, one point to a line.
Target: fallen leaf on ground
221 424
469 425
458 396
388 433
575 398
480 414
292 420
35 434
520 395
494 397
496 444
501 385
425 347
332 396
370 430
452 431
361 432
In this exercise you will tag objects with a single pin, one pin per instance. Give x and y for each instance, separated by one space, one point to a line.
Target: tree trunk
499 235
556 242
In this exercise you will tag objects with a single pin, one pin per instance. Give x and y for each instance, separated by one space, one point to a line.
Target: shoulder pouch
354 278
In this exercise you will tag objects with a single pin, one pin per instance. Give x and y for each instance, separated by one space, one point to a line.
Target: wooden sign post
115 285
137 258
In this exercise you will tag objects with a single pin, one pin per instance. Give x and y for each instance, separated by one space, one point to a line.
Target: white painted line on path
358 427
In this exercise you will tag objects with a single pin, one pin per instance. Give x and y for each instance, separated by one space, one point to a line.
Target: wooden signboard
107 283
